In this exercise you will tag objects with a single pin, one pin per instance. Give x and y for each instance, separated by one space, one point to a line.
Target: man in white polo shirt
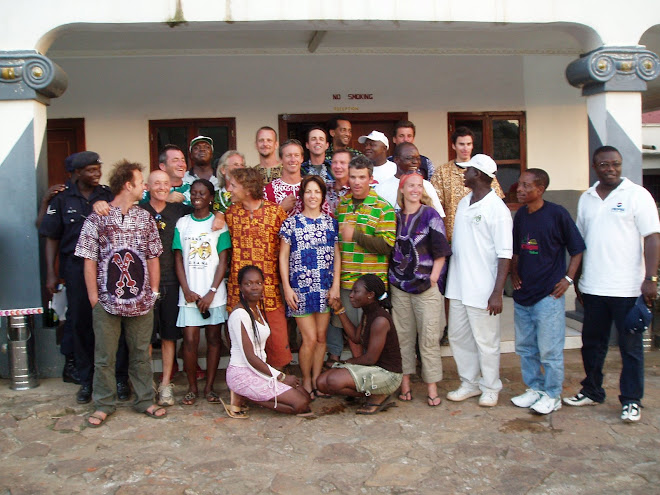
482 248
615 217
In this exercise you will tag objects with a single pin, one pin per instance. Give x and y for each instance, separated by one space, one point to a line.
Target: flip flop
212 398
405 396
383 406
152 413
235 412
430 401
96 416
189 399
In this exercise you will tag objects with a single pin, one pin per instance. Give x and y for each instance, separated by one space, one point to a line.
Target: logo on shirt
126 272
125 279
530 245
477 219
51 210
619 207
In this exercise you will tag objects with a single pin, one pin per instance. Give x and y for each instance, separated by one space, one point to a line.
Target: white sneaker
579 400
527 399
546 404
463 392
488 399
166 395
630 413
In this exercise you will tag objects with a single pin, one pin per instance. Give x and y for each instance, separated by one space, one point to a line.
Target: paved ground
454 448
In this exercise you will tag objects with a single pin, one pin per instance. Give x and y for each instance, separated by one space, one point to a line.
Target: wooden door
64 137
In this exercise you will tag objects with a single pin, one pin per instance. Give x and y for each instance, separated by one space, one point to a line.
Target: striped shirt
375 217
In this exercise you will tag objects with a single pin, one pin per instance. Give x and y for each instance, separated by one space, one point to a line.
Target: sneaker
527 399
579 400
546 404
630 413
166 395
488 399
463 392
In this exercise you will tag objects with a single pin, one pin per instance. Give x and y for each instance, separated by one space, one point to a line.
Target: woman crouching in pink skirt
248 375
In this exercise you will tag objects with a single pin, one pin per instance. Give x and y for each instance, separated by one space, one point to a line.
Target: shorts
372 379
166 312
191 317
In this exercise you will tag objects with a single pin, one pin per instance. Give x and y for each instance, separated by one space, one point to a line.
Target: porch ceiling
333 37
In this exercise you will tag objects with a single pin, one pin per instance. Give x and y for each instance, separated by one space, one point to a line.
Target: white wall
118 96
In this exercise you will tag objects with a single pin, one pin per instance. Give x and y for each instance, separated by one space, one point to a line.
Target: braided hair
241 274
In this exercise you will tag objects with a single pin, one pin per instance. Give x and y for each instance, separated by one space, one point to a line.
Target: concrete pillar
612 79
27 82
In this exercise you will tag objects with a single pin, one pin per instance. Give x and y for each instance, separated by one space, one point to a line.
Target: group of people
344 244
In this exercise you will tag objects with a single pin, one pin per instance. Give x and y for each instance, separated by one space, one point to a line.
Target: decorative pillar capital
28 75
613 68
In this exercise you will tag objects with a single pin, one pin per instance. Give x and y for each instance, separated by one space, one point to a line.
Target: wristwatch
652 278
568 279
283 377
156 295
213 289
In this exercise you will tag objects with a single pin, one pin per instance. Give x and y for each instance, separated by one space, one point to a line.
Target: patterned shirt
255 241
449 184
121 245
311 260
270 174
222 200
190 177
375 217
324 172
420 240
333 197
278 190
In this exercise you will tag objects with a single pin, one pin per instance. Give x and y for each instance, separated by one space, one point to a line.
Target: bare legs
293 401
168 348
190 347
312 351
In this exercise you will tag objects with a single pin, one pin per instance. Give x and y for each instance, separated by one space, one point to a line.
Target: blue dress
311 260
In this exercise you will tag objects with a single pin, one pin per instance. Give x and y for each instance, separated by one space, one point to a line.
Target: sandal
235 412
431 401
329 363
383 406
405 396
95 415
152 413
212 397
189 399
319 395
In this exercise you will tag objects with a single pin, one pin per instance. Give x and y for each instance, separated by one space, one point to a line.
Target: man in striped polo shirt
367 230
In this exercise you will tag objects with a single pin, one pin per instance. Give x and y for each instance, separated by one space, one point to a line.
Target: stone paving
454 448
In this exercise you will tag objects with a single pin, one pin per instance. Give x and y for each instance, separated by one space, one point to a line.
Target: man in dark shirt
61 226
542 233
166 308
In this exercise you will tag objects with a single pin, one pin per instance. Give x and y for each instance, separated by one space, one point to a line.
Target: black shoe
123 391
84 395
70 373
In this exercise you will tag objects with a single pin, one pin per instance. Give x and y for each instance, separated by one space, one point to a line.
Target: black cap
81 160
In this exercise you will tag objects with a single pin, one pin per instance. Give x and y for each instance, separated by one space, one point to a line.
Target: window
182 131
502 135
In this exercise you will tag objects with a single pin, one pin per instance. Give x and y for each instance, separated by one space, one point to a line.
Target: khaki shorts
372 379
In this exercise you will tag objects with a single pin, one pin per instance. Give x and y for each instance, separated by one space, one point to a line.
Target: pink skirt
252 385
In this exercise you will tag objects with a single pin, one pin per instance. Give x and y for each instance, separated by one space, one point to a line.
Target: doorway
63 137
295 125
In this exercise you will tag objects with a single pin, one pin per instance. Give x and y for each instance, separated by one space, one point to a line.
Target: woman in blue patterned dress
309 266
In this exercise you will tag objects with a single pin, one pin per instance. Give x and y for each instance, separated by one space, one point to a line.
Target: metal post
20 344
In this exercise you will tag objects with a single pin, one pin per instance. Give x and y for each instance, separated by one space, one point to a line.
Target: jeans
599 313
107 330
540 335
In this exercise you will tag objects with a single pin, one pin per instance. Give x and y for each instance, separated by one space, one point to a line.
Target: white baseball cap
483 163
375 136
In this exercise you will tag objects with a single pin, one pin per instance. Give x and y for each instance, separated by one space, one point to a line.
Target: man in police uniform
61 226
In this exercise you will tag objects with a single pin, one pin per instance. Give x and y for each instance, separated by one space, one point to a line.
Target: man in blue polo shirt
542 232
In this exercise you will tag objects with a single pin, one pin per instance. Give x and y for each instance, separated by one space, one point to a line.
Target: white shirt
613 230
389 187
384 171
483 233
237 354
189 178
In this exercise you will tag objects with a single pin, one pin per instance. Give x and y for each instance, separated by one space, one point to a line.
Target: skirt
252 385
191 317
